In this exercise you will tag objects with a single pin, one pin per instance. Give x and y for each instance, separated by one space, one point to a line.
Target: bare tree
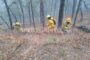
54 11
18 10
4 21
9 16
73 8
13 15
12 11
51 7
86 6
32 15
81 13
61 11
77 11
42 15
29 8
21 7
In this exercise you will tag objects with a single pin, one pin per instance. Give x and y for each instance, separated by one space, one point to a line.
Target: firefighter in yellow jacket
51 23
67 24
17 25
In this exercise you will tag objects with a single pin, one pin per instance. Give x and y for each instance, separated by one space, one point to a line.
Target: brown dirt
45 46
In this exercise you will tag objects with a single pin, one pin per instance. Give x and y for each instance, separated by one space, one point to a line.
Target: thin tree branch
4 21
81 12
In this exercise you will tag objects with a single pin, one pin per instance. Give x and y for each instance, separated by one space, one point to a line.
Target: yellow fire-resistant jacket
51 24
67 24
17 25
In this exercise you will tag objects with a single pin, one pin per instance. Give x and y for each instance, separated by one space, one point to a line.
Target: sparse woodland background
34 12
15 45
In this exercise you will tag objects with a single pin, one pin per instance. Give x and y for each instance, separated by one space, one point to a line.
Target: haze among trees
33 12
32 40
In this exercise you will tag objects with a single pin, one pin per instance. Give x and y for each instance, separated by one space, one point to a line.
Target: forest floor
45 46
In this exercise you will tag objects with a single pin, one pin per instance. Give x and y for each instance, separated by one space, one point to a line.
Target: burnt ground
45 46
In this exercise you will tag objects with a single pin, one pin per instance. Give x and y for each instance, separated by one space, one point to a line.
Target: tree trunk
54 11
4 21
81 13
32 15
20 2
29 12
73 8
61 12
42 16
13 15
51 7
78 8
11 5
18 10
9 16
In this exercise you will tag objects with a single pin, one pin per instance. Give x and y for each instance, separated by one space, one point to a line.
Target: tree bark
78 8
29 12
4 21
73 8
81 13
13 15
9 16
42 15
11 5
61 12
20 2
32 15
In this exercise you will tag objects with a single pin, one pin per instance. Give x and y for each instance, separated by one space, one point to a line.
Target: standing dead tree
81 13
13 14
29 12
73 8
51 9
85 4
54 11
77 11
4 21
21 7
9 16
32 15
12 11
42 15
61 11
18 10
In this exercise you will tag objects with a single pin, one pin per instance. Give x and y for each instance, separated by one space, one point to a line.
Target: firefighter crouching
17 25
67 25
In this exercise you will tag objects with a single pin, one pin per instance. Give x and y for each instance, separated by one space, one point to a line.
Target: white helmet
48 16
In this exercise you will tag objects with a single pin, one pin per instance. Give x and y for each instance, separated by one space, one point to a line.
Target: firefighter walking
51 23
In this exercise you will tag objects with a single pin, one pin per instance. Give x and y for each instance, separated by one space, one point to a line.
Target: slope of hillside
45 46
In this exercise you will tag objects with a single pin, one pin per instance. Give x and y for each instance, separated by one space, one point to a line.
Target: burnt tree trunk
73 8
21 6
81 13
13 15
61 12
77 11
42 15
29 12
32 15
8 12
51 9
4 21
